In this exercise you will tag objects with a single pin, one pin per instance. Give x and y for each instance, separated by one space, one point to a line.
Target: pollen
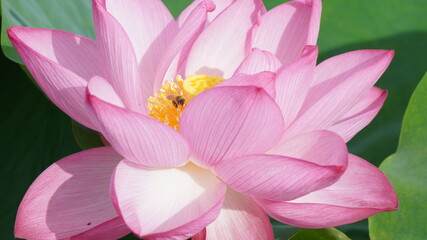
162 106
168 104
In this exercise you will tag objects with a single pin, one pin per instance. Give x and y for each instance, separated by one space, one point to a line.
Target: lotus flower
253 126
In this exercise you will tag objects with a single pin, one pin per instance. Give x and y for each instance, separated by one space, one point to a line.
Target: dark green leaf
176 6
86 138
377 24
319 234
356 231
129 237
72 16
407 171
34 134
282 231
351 25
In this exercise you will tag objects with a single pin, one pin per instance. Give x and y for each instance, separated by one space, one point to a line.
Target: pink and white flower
270 139
139 46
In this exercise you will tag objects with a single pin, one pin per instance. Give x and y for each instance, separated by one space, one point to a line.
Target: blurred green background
34 133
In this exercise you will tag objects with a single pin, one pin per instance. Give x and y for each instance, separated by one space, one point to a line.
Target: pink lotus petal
67 89
259 61
287 28
275 177
264 80
72 197
150 27
362 191
219 50
102 89
200 235
339 83
293 83
120 60
360 115
313 29
224 122
76 53
369 188
240 218
148 24
175 57
139 138
167 203
113 229
220 5
320 147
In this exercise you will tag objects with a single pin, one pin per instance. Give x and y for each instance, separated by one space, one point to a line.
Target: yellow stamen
167 105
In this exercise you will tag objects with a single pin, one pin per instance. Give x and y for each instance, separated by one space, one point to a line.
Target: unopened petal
259 61
173 61
150 27
119 59
148 23
219 50
220 5
287 28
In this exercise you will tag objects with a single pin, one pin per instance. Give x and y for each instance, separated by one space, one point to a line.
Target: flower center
167 105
